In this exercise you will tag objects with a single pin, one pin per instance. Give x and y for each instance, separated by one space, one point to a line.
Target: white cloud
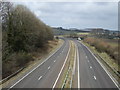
63 0
76 14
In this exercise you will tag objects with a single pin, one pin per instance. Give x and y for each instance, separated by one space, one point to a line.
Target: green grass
83 33
109 60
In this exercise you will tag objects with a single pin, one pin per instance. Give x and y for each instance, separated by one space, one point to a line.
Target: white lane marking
108 73
55 61
86 56
61 69
40 78
90 67
95 77
92 54
88 60
75 58
78 69
49 67
34 68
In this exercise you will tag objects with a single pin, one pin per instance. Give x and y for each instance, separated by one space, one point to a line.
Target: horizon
86 28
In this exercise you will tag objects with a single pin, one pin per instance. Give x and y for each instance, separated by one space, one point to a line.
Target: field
61 32
85 33
113 42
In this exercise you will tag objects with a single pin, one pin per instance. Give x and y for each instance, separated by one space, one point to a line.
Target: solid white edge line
108 73
78 69
61 69
34 68
75 58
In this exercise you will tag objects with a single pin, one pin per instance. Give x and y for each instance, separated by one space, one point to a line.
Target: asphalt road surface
44 75
90 75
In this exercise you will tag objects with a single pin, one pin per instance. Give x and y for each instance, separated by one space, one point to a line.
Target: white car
79 39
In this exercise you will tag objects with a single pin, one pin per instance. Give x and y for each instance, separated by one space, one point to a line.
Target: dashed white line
112 78
49 67
61 69
39 77
90 67
88 60
95 77
86 56
34 69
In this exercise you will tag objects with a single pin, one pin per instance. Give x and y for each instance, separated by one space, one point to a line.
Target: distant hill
62 31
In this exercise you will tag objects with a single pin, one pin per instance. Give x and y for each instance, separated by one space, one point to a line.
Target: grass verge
66 76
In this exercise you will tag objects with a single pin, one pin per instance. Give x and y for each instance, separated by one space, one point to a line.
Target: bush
23 33
23 58
103 46
15 62
8 66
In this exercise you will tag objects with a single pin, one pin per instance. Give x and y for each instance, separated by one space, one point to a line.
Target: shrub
23 58
23 33
103 46
8 66
15 62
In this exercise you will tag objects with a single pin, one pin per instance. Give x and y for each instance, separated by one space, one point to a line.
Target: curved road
90 75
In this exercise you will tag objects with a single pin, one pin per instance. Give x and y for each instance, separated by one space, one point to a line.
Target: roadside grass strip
67 78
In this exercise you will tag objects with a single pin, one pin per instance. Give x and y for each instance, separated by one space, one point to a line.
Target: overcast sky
76 14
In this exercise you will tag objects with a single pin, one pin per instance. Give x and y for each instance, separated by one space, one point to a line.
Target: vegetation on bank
104 46
23 33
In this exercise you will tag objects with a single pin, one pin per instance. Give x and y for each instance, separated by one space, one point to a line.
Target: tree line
22 33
